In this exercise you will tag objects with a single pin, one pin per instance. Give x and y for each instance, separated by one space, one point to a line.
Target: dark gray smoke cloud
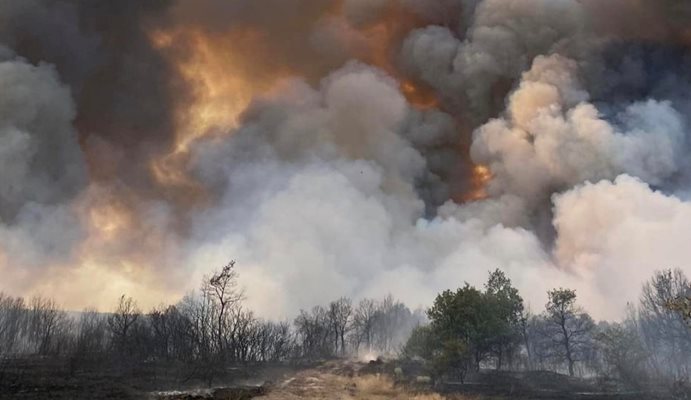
42 162
123 88
43 169
85 99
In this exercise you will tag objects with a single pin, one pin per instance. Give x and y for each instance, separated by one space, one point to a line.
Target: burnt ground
39 378
534 385
55 379
499 385
334 380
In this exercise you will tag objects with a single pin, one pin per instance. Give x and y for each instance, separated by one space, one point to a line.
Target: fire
107 221
123 237
126 240
224 79
220 94
383 40
481 177
419 96
219 97
110 221
222 88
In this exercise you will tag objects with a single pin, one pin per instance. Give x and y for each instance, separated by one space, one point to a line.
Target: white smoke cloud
615 235
337 212
552 138
332 230
341 208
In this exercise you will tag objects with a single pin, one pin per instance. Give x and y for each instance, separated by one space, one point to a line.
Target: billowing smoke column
342 147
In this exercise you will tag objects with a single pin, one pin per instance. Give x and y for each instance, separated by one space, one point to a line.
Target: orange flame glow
221 90
481 177
383 41
419 97
107 221
220 93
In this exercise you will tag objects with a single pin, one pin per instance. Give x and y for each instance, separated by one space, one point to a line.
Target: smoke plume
342 147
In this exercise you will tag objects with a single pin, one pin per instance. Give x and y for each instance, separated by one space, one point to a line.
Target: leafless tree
568 326
224 295
526 333
393 323
363 323
314 333
280 344
163 322
664 331
623 353
242 334
92 337
121 324
46 323
12 323
340 312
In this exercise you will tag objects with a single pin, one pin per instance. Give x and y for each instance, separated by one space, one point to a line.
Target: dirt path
340 381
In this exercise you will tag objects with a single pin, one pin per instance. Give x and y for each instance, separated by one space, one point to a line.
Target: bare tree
121 324
363 323
664 330
393 324
568 327
241 336
12 323
623 353
281 341
340 312
314 333
45 320
526 336
223 292
92 338
163 321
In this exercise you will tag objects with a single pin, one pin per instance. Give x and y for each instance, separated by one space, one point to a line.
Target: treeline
370 327
490 328
465 330
206 332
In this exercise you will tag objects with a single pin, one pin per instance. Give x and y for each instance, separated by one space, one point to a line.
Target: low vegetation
472 329
207 338
210 338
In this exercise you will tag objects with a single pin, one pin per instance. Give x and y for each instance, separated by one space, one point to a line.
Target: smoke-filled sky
343 147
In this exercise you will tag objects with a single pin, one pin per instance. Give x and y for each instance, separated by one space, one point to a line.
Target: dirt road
341 381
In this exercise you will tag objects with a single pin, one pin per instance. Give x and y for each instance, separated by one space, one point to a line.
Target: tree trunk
567 345
342 343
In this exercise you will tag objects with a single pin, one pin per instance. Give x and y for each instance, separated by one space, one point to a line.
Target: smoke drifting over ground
342 147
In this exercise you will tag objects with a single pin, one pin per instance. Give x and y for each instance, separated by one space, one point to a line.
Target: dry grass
433 396
374 385
337 387
329 384
381 387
